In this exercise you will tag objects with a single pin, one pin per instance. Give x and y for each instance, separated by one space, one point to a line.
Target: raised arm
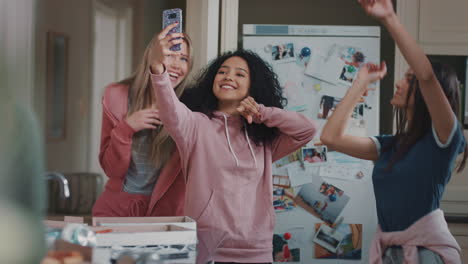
333 132
177 119
439 107
296 130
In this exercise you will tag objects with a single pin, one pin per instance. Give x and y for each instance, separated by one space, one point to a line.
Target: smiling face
401 92
232 83
178 65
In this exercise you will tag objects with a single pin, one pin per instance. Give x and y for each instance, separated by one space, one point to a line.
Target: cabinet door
455 199
443 22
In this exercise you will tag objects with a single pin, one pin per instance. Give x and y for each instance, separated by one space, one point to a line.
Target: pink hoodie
229 187
430 232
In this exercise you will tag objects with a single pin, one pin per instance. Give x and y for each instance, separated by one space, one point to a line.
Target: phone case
170 16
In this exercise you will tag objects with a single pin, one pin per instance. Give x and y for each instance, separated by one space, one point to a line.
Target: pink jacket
229 187
168 195
430 232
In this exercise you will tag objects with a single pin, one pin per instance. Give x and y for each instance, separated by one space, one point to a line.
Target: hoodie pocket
208 233
206 209
264 232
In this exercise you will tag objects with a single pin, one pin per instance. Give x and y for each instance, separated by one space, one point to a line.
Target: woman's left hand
380 9
161 48
368 74
248 108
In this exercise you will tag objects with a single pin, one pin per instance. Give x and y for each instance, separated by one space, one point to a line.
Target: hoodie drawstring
250 146
229 141
230 146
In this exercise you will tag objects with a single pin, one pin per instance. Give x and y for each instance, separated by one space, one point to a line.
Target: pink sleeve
116 144
178 120
295 129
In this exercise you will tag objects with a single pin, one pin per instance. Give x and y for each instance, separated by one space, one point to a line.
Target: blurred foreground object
22 185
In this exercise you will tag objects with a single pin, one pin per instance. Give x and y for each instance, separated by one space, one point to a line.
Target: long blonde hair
141 96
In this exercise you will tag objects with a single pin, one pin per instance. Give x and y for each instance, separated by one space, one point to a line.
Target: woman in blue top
413 166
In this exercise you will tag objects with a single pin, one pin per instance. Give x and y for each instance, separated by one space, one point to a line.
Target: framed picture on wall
57 85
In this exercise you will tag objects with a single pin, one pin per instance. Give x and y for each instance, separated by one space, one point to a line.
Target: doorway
112 62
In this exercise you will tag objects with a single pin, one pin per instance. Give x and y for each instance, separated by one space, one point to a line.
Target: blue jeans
394 255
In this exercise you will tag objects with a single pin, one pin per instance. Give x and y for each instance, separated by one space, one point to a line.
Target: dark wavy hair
421 122
264 88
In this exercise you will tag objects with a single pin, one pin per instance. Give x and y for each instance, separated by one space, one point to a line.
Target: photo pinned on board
327 238
358 112
325 66
314 155
348 237
283 199
329 103
327 106
353 59
293 157
348 172
287 244
330 191
281 181
357 125
283 53
324 201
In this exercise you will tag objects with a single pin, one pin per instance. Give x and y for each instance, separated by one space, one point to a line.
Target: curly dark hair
264 88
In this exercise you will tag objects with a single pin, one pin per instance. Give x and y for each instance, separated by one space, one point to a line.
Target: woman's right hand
380 9
144 119
162 48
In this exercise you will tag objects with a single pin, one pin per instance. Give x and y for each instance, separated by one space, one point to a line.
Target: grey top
141 176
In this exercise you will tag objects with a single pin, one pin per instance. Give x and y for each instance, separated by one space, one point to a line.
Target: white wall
202 26
74 19
16 52
112 61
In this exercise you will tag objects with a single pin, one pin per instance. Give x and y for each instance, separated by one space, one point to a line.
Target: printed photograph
328 238
353 60
327 106
324 201
293 157
349 245
357 125
325 65
283 53
286 245
281 181
283 199
315 156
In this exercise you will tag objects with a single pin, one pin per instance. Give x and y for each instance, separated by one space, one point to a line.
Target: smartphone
171 16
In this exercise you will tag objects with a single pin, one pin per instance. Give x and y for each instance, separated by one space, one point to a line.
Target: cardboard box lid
182 221
144 235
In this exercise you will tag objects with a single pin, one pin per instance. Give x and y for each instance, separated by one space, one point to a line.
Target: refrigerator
323 199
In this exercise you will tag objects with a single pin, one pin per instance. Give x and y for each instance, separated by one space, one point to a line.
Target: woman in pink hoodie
137 153
227 148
